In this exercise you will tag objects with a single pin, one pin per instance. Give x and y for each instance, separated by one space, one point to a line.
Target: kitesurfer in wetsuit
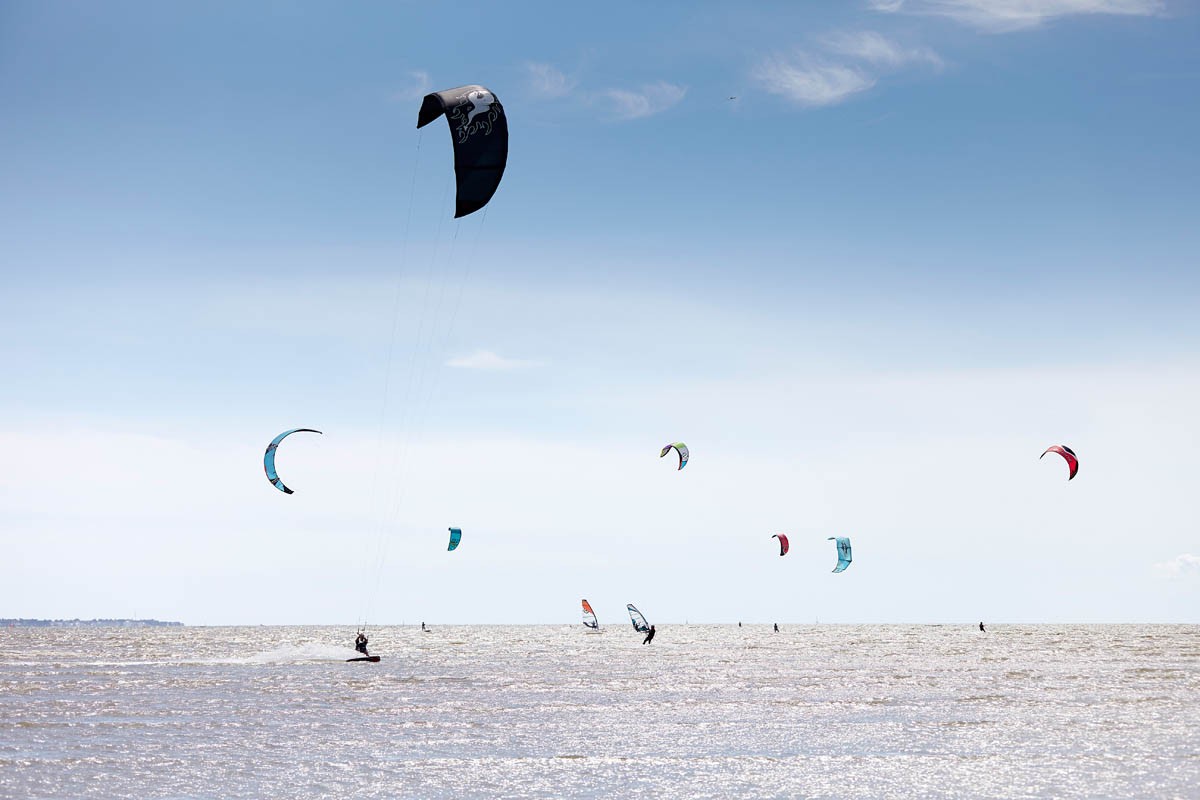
777 627
981 627
360 644
649 636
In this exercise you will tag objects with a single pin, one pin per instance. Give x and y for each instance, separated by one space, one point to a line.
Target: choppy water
705 711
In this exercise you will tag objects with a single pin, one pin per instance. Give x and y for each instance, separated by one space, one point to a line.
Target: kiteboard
372 659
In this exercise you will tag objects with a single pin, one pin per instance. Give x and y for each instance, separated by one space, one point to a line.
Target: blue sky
926 240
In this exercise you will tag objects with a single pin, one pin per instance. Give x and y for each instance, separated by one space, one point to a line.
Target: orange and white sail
589 617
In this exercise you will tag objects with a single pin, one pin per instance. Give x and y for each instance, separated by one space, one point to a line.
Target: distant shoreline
88 623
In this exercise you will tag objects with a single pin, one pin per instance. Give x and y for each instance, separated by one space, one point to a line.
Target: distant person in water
360 644
423 627
777 627
981 627
649 636
739 624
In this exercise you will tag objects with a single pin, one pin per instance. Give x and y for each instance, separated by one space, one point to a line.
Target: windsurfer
649 636
423 627
777 627
360 643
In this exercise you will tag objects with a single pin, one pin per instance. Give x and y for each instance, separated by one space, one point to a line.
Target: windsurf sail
639 621
843 550
589 617
455 538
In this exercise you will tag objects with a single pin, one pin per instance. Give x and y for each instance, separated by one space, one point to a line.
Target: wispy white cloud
812 83
487 360
1001 16
545 80
874 48
650 99
1181 565
415 86
846 64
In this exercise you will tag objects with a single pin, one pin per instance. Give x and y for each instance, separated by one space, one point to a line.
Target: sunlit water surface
704 711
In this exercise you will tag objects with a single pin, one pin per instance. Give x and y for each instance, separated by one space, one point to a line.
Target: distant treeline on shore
87 623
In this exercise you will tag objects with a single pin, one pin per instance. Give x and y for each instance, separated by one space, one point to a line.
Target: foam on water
298 654
705 711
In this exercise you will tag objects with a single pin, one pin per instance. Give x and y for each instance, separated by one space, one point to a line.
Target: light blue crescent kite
843 546
680 448
269 458
455 538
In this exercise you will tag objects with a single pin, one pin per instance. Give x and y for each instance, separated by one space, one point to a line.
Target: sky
867 259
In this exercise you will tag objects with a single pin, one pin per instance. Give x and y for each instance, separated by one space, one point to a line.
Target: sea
704 711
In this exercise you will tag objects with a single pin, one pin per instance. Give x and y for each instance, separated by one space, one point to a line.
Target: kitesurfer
777 627
360 644
649 636
981 627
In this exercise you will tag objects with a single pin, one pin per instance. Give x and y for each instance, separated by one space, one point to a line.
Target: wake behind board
372 659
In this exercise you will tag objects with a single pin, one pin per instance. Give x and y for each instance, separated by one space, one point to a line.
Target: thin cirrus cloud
1001 16
650 99
1180 566
812 83
417 84
847 64
874 48
487 360
545 80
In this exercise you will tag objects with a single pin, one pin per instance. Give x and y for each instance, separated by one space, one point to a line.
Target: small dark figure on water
981 627
649 636
423 627
777 627
739 624
360 644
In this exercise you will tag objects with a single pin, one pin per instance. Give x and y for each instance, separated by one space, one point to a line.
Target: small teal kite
843 548
455 538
